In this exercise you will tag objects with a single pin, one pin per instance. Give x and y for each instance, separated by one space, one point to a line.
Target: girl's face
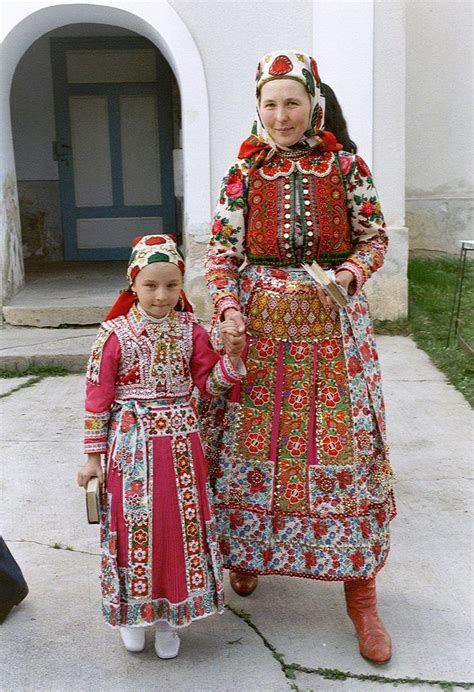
158 287
284 108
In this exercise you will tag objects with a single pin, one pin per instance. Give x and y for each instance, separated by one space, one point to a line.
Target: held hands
233 336
92 468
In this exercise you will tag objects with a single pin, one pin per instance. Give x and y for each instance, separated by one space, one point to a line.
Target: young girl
160 561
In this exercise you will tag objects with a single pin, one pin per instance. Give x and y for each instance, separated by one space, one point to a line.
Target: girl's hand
92 468
233 339
236 317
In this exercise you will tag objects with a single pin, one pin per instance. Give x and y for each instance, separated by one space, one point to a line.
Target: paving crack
54 545
286 670
30 383
289 669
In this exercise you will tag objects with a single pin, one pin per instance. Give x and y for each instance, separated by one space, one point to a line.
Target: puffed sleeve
100 389
368 226
225 251
212 374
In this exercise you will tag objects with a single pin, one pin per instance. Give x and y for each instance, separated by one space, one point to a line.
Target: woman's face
284 108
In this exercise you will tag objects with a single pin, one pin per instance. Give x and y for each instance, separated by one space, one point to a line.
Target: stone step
54 316
25 347
67 293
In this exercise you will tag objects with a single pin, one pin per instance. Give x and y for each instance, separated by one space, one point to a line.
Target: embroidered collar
139 320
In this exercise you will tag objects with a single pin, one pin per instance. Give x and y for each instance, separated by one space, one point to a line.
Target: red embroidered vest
297 212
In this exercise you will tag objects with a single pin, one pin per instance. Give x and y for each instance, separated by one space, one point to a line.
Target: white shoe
167 642
133 638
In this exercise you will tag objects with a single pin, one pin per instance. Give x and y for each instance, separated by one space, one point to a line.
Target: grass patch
35 371
432 284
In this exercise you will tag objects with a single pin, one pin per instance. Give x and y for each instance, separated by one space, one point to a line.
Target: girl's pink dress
160 559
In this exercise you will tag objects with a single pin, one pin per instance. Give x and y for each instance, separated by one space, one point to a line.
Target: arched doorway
96 122
168 33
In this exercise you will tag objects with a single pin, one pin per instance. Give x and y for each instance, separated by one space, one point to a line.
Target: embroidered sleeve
368 225
100 389
212 374
224 375
225 251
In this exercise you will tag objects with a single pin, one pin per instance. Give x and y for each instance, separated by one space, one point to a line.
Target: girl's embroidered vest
155 357
309 193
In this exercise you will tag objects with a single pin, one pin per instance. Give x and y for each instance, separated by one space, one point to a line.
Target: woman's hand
92 468
345 279
234 341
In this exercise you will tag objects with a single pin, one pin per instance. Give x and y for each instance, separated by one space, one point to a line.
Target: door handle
61 153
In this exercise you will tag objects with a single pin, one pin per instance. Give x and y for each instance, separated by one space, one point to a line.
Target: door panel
114 143
95 233
90 143
140 150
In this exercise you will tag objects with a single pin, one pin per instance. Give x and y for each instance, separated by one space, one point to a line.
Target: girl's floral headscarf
146 250
289 64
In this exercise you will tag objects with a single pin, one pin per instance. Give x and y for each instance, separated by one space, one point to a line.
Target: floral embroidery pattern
190 514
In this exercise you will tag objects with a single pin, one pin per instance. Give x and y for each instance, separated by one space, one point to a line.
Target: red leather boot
243 584
361 601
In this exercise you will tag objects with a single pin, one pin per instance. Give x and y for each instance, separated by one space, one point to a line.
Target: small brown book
329 286
93 500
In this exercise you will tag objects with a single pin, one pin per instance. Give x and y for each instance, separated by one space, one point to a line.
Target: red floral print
330 396
367 209
362 167
255 442
217 227
381 517
256 481
366 352
296 445
298 399
365 528
236 520
326 484
265 347
330 349
345 479
267 555
299 351
259 395
294 493
354 366
309 560
279 523
357 560
147 612
319 528
332 445
234 186
128 419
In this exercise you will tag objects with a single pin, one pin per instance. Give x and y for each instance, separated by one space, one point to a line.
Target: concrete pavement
291 633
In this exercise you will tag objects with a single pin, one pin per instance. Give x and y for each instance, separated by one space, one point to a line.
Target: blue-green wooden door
114 143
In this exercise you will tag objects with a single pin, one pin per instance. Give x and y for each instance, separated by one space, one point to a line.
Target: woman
302 478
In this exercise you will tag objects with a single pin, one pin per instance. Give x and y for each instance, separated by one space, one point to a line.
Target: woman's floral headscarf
146 250
289 64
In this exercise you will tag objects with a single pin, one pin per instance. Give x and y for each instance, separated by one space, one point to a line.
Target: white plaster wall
439 124
388 289
347 64
231 38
